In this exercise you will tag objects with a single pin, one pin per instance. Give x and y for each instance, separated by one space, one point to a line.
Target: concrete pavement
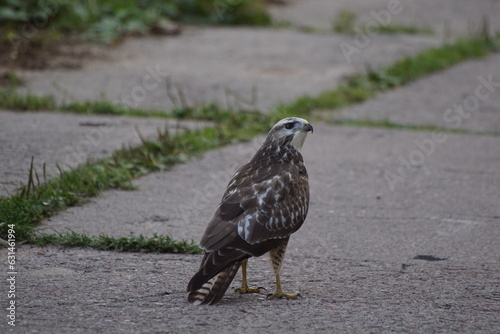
465 97
68 140
402 233
447 18
355 261
235 67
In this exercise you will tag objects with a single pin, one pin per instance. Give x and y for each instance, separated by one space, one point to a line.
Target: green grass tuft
12 100
437 59
108 20
345 23
103 107
411 29
133 243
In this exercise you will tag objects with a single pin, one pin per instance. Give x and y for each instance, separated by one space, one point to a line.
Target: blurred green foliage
106 20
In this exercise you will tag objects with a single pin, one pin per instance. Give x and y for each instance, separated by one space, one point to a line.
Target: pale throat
298 140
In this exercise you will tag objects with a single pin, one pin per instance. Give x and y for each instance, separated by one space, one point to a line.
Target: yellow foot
281 294
246 289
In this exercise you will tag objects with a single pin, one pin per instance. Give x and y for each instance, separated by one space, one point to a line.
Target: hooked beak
308 127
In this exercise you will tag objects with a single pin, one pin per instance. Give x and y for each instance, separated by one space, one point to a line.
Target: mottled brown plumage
266 201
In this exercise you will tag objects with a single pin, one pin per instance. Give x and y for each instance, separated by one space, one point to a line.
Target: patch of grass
108 20
411 29
38 200
133 243
12 100
103 107
41 198
439 58
345 23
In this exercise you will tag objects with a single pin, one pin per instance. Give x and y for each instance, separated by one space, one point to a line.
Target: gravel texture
421 258
402 233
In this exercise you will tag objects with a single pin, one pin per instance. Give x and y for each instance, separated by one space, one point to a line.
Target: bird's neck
279 152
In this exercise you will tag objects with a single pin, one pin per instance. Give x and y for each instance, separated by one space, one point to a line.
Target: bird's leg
244 283
280 293
277 256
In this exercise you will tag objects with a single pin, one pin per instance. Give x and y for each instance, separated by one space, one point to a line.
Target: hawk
266 201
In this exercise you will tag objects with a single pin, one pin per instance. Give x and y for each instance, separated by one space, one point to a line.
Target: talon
283 295
246 289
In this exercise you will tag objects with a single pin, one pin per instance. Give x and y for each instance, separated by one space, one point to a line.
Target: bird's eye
288 126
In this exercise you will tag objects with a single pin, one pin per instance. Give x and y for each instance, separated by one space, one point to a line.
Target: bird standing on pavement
266 201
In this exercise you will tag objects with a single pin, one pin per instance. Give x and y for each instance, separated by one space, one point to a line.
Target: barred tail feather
214 289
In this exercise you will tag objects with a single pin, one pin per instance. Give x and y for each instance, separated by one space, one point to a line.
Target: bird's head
290 130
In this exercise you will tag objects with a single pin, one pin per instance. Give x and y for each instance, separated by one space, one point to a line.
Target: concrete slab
235 67
446 17
463 97
67 140
380 200
86 291
353 260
